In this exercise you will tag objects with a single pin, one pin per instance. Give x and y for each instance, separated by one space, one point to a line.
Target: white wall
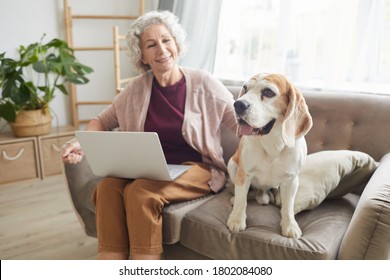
24 22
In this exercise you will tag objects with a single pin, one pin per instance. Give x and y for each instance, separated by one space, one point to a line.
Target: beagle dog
273 119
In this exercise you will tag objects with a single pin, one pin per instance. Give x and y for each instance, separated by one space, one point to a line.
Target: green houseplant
29 83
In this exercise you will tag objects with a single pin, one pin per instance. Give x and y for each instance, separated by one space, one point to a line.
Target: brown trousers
129 212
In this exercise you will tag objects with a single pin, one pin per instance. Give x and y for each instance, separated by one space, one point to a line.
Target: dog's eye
245 88
267 93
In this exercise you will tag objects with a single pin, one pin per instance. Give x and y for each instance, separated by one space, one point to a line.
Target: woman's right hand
72 152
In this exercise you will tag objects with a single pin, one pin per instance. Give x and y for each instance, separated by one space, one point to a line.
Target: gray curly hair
138 27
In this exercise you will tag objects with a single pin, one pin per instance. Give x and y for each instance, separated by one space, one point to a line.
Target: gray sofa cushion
173 216
323 229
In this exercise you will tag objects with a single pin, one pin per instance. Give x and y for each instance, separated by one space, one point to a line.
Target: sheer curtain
325 43
200 20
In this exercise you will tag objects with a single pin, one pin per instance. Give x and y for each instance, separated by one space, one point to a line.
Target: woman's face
159 49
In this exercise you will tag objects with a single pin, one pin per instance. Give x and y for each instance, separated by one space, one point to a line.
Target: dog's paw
291 230
277 199
262 197
274 195
235 223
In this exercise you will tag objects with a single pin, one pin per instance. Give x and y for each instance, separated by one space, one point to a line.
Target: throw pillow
331 174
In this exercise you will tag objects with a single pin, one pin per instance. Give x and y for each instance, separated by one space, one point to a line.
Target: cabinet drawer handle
55 148
7 157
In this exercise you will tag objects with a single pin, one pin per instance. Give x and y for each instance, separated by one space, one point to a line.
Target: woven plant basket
32 123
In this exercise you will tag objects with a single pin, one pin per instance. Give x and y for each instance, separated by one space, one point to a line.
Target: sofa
352 225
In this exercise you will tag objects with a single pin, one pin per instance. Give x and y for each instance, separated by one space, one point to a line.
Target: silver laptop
131 155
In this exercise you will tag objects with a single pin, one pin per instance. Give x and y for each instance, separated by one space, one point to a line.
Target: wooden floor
37 222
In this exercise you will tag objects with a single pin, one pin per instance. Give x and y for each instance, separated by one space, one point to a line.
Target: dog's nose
240 106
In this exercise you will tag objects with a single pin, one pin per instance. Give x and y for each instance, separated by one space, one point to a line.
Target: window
328 44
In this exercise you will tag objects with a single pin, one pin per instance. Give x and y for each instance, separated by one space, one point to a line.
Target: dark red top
165 116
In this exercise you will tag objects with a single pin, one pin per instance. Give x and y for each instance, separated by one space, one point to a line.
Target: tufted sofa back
351 121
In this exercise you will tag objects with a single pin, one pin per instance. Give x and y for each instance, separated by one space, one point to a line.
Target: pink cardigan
208 105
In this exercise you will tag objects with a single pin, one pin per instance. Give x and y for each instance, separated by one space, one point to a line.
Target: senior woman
186 107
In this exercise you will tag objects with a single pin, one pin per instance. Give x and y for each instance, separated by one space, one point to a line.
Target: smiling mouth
246 129
163 60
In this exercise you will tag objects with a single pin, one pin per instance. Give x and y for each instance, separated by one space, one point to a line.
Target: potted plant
29 83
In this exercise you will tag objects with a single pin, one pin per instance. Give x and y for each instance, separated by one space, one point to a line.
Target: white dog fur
273 119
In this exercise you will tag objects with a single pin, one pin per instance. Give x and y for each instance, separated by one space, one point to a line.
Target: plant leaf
28 55
7 111
62 88
54 61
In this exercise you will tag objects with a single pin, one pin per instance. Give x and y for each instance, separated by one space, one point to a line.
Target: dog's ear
241 93
297 119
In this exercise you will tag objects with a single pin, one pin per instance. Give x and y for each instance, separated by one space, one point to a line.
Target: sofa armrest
368 234
81 183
